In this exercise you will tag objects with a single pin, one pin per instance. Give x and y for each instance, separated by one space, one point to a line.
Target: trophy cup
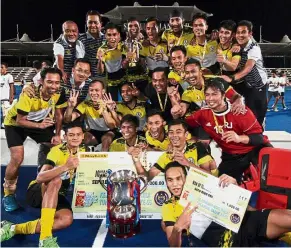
132 47
123 202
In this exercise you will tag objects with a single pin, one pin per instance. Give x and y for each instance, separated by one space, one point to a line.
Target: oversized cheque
90 199
225 206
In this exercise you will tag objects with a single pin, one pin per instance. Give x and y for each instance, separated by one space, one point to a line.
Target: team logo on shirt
185 43
161 197
68 52
212 49
139 114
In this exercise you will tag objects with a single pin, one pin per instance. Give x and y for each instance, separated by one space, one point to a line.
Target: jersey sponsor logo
161 197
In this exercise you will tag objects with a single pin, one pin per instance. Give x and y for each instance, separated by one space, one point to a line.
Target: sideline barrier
279 139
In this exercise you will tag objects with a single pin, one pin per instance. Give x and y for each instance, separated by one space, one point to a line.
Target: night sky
34 17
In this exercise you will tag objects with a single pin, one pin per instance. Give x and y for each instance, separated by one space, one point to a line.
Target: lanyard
160 102
219 129
126 146
202 54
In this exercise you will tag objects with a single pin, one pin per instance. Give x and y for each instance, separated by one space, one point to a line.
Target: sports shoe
7 230
276 110
49 242
9 202
285 108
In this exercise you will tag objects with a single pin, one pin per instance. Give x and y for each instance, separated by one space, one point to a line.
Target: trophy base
123 228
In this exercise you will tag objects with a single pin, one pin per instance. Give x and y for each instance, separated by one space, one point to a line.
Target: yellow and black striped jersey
206 53
149 51
94 118
156 144
171 211
139 111
58 156
119 145
35 108
196 153
179 78
172 40
112 57
229 55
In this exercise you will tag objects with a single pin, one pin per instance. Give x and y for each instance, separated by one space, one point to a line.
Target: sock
286 238
26 228
47 222
6 192
9 186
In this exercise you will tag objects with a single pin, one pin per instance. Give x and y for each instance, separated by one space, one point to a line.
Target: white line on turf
101 235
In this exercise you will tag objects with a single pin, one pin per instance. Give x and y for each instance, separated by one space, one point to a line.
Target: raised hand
100 54
47 122
107 99
135 91
184 221
73 100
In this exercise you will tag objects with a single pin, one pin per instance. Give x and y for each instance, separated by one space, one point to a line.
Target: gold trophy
132 47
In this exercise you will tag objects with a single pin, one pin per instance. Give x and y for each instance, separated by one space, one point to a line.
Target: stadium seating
287 70
22 73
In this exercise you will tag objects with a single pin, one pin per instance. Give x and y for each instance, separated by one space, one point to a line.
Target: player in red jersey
239 136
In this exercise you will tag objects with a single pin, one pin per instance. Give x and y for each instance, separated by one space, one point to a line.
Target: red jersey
217 123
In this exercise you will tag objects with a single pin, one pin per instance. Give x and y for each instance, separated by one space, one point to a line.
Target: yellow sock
47 222
286 238
26 228
6 192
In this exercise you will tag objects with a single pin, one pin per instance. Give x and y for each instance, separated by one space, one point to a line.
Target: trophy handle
145 183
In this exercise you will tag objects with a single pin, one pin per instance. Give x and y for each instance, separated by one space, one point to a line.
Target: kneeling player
48 191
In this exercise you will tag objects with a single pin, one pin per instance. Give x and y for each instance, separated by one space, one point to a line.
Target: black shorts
16 136
234 165
252 232
273 93
98 134
34 198
282 94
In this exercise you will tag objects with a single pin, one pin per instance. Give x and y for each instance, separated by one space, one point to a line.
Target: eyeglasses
80 71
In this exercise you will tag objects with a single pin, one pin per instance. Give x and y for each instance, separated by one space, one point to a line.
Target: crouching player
48 191
257 226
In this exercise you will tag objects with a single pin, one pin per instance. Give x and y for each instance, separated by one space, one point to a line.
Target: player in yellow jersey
178 34
186 153
156 135
34 118
99 113
130 138
193 98
48 191
203 49
178 59
257 226
154 49
228 59
131 105
110 57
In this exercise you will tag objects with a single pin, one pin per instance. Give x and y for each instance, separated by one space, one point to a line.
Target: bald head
70 31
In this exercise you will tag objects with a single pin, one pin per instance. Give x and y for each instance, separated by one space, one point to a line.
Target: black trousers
255 99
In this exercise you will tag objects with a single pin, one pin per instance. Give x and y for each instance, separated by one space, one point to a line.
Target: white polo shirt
6 80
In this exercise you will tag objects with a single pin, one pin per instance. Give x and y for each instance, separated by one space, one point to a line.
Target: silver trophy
123 202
